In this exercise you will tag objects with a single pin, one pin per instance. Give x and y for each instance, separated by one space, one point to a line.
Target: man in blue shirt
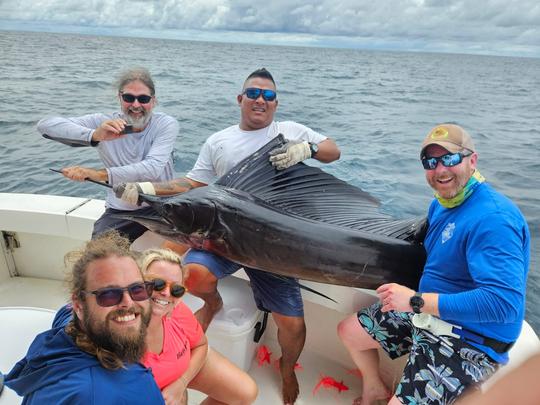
470 303
95 358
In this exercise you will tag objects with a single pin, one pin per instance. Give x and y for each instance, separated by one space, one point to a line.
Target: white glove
130 192
290 154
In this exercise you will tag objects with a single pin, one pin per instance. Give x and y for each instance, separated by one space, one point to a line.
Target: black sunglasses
176 290
130 98
448 160
110 296
254 93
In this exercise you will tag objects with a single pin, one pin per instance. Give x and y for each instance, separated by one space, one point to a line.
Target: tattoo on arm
173 186
181 184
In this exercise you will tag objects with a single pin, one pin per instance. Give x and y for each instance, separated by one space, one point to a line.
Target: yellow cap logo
439 133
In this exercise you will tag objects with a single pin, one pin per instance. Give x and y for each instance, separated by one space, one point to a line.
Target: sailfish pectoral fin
154 223
316 292
303 287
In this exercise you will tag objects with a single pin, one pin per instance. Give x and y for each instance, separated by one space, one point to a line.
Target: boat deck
36 231
323 356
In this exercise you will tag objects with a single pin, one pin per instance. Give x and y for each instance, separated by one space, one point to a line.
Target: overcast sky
499 27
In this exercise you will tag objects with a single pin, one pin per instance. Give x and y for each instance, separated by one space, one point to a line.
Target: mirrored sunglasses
448 160
130 98
175 289
254 93
110 296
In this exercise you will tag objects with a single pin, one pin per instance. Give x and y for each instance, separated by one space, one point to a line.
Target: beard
138 123
458 183
129 347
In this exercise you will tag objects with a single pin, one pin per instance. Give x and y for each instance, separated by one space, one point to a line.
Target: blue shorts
271 293
439 368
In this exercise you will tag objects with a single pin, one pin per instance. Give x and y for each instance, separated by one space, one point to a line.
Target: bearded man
468 311
95 358
135 144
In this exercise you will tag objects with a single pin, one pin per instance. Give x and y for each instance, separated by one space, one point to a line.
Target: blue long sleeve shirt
478 260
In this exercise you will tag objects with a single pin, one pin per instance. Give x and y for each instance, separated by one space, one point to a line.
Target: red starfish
329 382
263 355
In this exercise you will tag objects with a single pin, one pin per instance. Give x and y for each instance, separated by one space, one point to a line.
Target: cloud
488 25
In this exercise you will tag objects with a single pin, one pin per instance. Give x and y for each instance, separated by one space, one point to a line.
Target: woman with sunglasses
177 348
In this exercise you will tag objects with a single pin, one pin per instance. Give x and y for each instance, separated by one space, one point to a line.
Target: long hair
106 245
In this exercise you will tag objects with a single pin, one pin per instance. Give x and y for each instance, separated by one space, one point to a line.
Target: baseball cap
451 137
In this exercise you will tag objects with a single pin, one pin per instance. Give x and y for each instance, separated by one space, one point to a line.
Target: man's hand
290 154
109 130
395 297
79 173
130 192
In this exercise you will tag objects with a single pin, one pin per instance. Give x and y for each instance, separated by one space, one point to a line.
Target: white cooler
232 330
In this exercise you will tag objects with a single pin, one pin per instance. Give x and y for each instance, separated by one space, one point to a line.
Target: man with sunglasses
95 358
470 304
220 153
134 144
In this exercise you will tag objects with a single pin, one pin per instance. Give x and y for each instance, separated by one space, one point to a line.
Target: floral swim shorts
439 368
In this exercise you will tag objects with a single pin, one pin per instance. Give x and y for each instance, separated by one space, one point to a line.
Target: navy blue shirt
55 371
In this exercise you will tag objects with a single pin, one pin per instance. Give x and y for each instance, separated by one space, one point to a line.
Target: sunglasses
110 296
448 160
176 290
130 98
254 93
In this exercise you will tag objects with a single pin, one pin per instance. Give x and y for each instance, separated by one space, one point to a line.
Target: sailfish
299 222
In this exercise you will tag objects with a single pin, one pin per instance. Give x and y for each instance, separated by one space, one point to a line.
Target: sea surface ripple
376 105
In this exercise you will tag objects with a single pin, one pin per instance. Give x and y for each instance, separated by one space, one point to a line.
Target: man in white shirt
220 153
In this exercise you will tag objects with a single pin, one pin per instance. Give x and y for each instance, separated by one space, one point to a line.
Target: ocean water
378 106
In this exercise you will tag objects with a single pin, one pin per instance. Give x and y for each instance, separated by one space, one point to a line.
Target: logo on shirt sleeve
448 232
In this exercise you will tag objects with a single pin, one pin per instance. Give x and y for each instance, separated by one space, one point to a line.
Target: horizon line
286 39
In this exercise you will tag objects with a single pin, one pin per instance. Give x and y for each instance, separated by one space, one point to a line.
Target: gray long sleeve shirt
140 156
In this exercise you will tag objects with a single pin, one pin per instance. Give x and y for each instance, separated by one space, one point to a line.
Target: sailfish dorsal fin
311 193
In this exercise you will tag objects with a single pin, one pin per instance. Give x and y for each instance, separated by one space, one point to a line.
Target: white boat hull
37 230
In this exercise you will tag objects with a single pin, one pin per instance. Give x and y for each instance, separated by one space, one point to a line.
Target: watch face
416 303
314 148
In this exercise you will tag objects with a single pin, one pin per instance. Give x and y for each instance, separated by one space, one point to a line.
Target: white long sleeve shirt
139 156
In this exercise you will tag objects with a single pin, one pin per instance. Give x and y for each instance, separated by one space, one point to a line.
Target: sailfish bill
299 222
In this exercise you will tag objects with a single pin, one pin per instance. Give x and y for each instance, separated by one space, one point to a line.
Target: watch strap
314 148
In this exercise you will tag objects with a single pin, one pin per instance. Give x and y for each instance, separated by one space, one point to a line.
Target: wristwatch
314 148
416 302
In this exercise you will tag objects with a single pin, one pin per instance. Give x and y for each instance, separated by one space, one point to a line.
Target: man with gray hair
134 144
